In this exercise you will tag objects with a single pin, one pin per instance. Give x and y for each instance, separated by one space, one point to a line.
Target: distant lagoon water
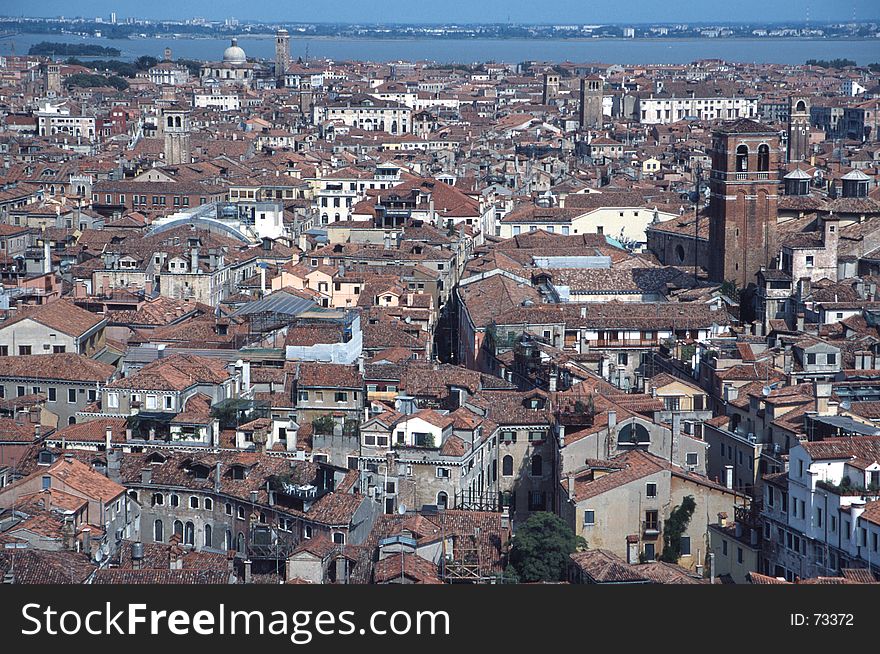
622 51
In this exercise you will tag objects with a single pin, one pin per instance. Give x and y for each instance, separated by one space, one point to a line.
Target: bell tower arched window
742 158
763 157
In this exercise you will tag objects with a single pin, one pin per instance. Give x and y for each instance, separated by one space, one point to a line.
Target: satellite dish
846 405
99 556
766 391
401 509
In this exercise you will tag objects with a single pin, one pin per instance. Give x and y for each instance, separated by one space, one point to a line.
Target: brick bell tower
742 208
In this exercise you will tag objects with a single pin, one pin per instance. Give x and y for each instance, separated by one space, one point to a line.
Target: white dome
233 54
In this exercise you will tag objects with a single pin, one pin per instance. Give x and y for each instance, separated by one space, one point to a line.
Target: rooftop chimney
137 555
632 549
146 475
87 541
722 519
247 571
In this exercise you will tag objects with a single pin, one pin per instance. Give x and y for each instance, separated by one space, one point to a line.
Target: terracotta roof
62 315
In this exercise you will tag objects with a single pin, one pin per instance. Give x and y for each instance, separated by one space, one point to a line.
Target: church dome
233 54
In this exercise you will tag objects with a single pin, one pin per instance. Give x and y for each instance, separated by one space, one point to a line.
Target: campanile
743 189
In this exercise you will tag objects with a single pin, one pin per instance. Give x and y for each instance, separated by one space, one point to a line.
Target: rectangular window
112 400
71 395
589 517
685 545
341 396
651 490
692 458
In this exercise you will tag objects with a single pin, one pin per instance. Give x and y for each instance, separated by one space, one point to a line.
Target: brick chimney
632 549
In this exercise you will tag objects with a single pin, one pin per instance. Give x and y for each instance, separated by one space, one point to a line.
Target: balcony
621 342
651 528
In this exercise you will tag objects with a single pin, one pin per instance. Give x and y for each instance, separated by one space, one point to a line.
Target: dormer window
200 471
238 472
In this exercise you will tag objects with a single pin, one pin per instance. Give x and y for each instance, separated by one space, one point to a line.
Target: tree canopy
676 525
541 547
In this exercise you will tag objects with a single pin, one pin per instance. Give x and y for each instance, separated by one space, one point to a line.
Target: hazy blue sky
485 11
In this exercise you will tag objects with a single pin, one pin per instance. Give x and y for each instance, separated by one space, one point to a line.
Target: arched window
742 158
189 534
178 528
208 536
175 500
763 157
177 121
537 465
507 466
209 504
71 420
158 531
442 499
239 543
158 499
228 540
633 433
170 121
679 253
801 106
193 502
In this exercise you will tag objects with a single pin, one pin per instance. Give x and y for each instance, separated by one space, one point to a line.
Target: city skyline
492 11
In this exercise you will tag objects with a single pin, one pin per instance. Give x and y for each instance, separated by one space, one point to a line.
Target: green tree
541 547
676 525
146 62
323 425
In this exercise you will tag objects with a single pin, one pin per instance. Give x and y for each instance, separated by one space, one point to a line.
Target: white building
669 109
167 73
367 113
56 119
218 99
824 514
